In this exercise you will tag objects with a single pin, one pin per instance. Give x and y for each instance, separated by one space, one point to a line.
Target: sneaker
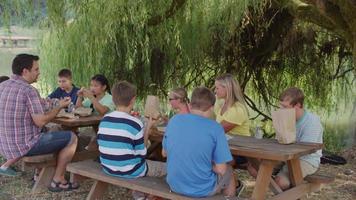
240 188
8 172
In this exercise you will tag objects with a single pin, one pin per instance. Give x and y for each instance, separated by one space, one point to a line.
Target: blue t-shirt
193 143
59 93
121 145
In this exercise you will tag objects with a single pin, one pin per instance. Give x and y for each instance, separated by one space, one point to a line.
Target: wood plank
319 178
44 179
92 120
97 190
150 185
297 192
263 180
262 148
295 172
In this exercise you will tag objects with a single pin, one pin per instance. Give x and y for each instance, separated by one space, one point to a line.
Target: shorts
223 181
51 142
306 168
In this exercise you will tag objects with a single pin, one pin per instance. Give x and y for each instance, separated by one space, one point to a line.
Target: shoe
8 172
239 188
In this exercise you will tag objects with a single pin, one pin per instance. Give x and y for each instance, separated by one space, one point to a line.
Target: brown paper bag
152 107
284 123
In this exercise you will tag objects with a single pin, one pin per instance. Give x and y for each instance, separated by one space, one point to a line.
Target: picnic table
73 124
16 41
267 153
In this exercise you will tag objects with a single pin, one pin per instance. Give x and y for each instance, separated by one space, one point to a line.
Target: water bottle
259 132
71 107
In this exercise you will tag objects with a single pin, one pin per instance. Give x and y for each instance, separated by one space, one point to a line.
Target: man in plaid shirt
21 120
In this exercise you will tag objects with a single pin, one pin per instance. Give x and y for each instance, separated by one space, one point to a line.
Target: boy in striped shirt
123 138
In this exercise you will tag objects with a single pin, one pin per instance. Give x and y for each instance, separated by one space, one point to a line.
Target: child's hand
151 122
63 103
80 92
88 94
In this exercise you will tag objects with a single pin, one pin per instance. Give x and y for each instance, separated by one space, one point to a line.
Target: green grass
336 136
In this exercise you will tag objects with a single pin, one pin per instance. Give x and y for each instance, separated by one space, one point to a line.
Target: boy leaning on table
309 129
122 139
197 151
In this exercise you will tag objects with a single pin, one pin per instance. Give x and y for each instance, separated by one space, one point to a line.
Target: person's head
65 79
202 100
228 88
178 97
124 94
292 98
99 84
4 78
27 66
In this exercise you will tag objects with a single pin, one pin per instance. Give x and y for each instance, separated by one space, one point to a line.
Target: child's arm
149 125
101 109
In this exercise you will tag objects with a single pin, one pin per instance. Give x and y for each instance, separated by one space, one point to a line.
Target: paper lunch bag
152 107
284 121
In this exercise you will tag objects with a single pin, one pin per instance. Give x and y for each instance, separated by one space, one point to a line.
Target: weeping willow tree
160 44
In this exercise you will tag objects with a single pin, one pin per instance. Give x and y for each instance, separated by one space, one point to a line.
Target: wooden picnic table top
261 148
92 120
270 148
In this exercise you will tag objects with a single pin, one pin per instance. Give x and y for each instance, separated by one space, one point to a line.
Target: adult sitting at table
309 129
203 171
178 99
231 112
21 120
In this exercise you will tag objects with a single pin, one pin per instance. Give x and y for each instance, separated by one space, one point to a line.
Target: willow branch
175 6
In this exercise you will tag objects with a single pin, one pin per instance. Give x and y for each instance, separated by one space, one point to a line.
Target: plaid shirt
18 102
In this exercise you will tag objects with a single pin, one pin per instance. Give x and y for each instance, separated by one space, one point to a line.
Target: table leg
295 172
263 179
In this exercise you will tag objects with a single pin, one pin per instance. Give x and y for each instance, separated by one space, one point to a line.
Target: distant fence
15 41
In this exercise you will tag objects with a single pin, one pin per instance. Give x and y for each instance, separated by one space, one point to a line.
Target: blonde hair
233 89
181 94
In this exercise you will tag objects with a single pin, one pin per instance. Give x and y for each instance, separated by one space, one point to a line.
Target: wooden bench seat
311 183
319 178
149 185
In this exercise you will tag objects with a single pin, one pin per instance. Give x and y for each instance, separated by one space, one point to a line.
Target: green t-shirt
105 101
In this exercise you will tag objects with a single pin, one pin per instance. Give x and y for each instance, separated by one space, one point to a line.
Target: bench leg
77 178
97 190
44 179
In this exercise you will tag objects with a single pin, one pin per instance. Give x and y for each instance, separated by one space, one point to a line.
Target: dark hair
294 95
102 80
202 99
122 93
65 73
23 61
3 78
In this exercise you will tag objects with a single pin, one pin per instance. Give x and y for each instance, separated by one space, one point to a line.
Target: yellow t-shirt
237 114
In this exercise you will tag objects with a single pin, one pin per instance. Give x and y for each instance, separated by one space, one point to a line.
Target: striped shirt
18 132
309 129
121 145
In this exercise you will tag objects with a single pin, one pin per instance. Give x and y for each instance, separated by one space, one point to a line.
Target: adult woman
178 100
231 111
97 97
